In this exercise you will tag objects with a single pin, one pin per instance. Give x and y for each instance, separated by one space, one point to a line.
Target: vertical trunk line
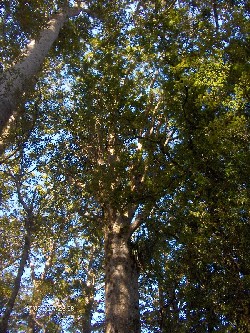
13 82
86 317
21 77
121 279
17 282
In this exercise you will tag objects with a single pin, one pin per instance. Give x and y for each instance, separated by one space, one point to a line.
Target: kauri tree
137 129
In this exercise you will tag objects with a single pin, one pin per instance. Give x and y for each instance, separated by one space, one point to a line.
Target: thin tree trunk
121 282
37 297
86 317
89 287
21 77
17 282
163 318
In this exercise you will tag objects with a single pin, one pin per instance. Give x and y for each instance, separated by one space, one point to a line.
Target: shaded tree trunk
36 300
86 317
17 282
121 282
21 77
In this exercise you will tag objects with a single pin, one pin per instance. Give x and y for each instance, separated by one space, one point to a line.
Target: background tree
36 290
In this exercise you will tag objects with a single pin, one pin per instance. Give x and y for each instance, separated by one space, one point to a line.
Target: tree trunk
121 282
21 77
86 318
17 282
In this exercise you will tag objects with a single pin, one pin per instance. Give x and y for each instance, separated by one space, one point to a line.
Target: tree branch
140 219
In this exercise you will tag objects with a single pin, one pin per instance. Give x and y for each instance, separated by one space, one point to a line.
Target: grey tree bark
19 79
121 277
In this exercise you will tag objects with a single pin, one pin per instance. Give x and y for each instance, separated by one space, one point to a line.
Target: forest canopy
124 166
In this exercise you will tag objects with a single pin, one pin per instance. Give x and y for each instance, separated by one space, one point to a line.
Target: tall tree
41 227
21 77
141 132
28 221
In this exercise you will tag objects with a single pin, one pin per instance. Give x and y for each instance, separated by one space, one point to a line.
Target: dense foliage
141 104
